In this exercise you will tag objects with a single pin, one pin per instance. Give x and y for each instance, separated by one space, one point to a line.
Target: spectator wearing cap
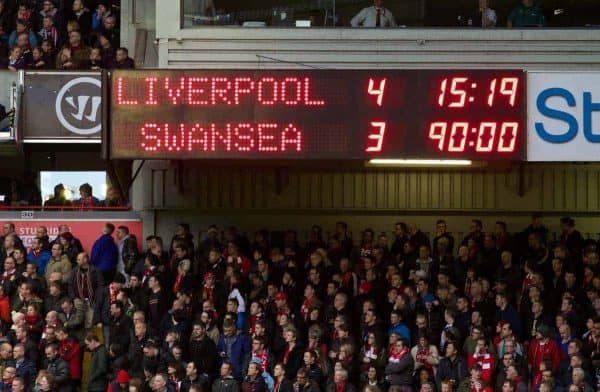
434 316
120 383
400 366
541 348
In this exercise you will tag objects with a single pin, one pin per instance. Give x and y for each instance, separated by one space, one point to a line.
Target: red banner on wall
86 230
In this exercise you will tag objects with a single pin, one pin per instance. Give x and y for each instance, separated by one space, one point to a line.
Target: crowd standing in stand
492 311
62 35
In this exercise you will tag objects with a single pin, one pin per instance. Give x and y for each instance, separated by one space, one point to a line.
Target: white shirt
491 17
367 17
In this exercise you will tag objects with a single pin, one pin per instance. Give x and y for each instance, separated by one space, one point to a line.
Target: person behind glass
486 17
526 14
374 16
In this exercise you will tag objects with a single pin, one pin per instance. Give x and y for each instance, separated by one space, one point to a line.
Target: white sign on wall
563 116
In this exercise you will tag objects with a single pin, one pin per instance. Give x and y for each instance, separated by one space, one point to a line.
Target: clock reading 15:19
459 95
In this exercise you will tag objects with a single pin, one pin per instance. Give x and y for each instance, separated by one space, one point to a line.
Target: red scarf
286 355
177 285
252 326
306 307
263 358
209 293
396 357
113 292
7 275
422 355
340 387
32 320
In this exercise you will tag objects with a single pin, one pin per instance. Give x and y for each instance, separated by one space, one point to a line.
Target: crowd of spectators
62 35
492 311
86 200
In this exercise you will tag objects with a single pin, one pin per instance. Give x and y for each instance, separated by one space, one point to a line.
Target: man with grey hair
159 383
340 382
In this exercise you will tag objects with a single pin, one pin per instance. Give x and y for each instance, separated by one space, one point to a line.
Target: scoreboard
318 114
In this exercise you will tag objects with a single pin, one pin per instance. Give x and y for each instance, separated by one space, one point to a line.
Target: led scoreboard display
318 114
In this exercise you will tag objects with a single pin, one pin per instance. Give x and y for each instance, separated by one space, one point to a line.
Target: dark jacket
201 380
104 253
225 385
59 368
27 371
136 357
120 328
285 386
129 254
294 361
331 387
256 385
98 376
451 370
203 353
400 372
95 277
102 306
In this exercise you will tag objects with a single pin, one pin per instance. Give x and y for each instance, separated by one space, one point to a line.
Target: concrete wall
280 198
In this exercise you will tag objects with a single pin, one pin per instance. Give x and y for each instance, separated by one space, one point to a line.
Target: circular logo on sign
78 106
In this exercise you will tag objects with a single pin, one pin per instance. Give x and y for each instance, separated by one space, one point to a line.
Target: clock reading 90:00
482 137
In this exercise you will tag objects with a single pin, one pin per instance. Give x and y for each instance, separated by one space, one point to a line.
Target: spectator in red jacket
70 351
4 306
484 358
543 348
